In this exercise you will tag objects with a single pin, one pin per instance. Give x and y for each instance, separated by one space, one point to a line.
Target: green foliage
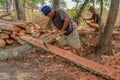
96 2
71 13
34 2
2 3
106 3
62 3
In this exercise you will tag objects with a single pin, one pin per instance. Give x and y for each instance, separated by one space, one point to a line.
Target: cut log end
9 41
2 43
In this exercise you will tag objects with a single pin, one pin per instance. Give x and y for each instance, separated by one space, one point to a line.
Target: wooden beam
17 23
115 33
87 32
80 61
5 14
48 37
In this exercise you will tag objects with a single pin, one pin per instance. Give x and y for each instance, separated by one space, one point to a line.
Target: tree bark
43 2
5 14
104 44
100 20
56 4
24 5
20 10
77 2
8 5
79 12
101 10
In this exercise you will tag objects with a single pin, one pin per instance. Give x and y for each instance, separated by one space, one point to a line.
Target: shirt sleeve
95 16
62 14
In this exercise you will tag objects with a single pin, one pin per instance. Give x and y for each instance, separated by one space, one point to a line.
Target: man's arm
87 19
65 25
56 30
93 21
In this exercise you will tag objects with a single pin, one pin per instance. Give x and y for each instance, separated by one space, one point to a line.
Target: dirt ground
37 65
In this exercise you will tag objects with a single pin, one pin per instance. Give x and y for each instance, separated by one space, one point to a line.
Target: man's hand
93 21
62 33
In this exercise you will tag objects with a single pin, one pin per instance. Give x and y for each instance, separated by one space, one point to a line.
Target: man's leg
63 41
74 42
94 26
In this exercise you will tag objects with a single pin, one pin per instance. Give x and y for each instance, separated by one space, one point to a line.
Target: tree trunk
20 10
79 12
101 11
8 5
43 2
100 20
104 45
55 6
77 2
24 5
93 2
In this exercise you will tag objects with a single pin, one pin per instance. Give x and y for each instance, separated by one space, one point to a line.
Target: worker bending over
65 26
95 19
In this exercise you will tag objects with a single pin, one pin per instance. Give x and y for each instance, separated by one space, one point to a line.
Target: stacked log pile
10 33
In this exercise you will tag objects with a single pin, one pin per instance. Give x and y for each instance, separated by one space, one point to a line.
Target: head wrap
46 10
91 8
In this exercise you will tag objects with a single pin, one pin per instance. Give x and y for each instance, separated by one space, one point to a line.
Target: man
65 27
95 19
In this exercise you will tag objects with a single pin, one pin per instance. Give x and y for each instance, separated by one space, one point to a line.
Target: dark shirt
58 21
96 17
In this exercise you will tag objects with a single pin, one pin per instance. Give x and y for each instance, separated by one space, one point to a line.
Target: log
21 34
5 14
7 27
0 30
2 43
21 30
37 27
21 42
115 33
4 36
91 66
16 29
7 32
46 35
87 32
4 54
15 33
20 24
9 41
30 30
116 38
14 37
36 34
48 38
43 31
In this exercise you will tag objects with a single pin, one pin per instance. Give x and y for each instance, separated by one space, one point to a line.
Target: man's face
92 11
51 14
